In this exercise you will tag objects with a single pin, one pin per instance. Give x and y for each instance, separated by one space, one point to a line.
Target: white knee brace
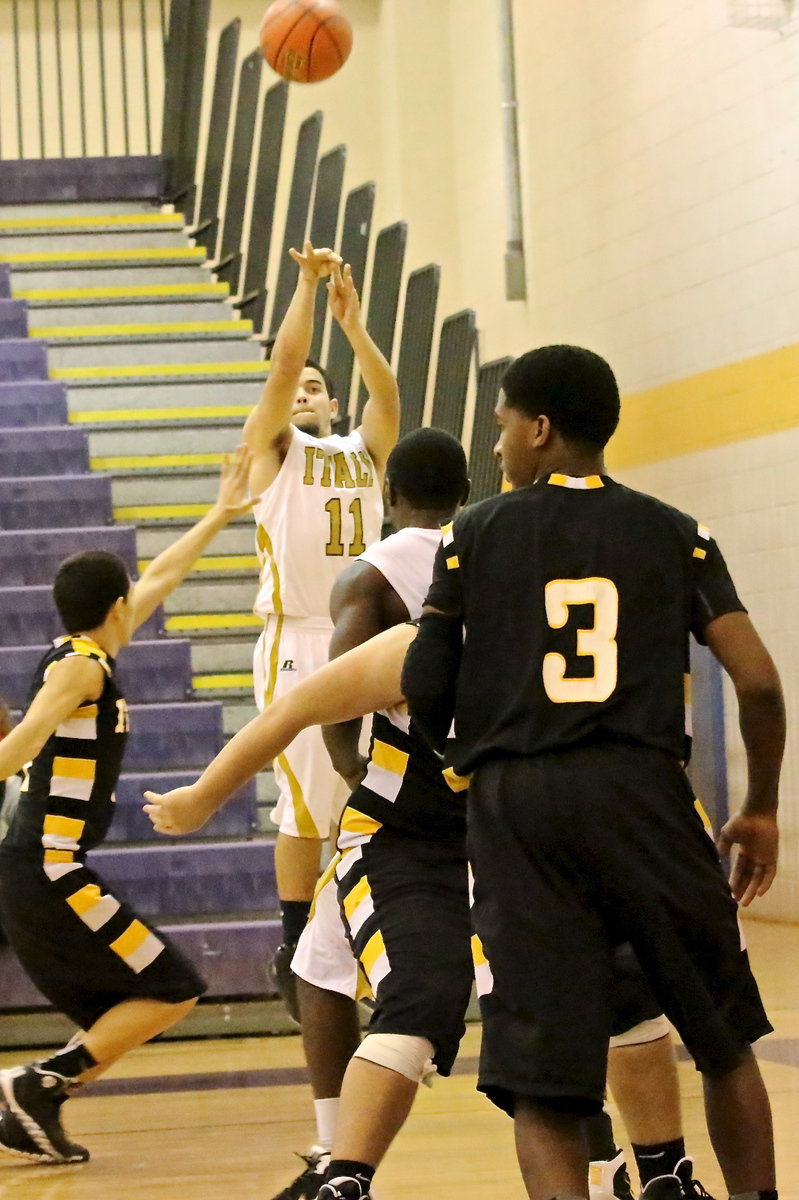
398 1052
645 1031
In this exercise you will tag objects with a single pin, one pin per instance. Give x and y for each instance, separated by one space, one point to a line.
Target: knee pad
645 1031
398 1052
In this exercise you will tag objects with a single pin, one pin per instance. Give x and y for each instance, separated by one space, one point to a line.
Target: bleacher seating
49 502
32 402
33 555
28 617
237 818
43 451
170 736
13 319
23 358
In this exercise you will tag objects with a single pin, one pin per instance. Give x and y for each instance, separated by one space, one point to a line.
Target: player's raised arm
167 570
69 684
380 422
365 679
734 641
266 430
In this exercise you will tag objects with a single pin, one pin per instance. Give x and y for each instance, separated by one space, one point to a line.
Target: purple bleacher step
230 955
157 671
170 737
5 281
28 617
236 818
51 501
23 358
33 555
33 402
13 318
58 450
174 878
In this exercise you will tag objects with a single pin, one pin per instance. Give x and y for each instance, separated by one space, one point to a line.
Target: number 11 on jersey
335 546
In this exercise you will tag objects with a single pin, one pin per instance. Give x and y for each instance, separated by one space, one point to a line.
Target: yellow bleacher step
182 254
110 221
154 329
237 679
217 562
159 512
185 622
139 291
258 369
154 462
214 412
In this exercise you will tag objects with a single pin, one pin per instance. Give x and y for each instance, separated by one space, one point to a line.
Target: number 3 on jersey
335 545
598 642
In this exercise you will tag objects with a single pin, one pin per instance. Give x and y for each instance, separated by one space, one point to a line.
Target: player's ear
333 409
541 432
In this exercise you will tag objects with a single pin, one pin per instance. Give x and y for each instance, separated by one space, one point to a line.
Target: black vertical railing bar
296 214
183 88
324 227
163 21
103 98
148 137
253 289
355 233
205 231
456 349
81 78
483 469
416 345
381 321
59 76
17 80
123 63
229 265
37 31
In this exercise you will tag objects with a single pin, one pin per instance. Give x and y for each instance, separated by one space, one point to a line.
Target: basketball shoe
14 1140
279 973
679 1186
609 1178
35 1098
307 1184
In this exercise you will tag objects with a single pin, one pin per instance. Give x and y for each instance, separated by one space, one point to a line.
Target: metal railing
81 77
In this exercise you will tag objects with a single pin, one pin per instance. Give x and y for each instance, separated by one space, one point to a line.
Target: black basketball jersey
406 787
577 597
67 797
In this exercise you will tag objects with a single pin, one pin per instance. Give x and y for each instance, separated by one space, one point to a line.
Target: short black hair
574 387
86 586
428 469
309 362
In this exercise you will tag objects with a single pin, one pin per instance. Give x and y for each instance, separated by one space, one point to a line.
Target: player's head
556 393
91 589
315 406
427 471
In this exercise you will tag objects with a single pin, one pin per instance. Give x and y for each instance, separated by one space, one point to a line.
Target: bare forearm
172 565
293 341
253 748
762 724
21 745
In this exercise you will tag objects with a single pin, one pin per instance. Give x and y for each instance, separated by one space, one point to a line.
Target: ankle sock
658 1159
293 917
70 1062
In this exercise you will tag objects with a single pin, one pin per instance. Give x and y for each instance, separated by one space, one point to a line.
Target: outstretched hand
755 864
342 296
176 812
315 263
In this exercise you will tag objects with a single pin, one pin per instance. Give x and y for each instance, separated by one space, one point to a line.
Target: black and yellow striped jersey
573 601
406 786
67 797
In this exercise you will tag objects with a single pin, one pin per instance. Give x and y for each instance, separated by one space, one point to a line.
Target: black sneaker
692 1189
343 1188
35 1098
663 1187
307 1184
14 1140
279 973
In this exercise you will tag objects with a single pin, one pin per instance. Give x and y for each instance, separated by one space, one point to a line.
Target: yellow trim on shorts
478 953
372 951
323 881
306 826
356 895
353 821
85 899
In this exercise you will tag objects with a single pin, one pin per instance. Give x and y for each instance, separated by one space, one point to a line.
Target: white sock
326 1112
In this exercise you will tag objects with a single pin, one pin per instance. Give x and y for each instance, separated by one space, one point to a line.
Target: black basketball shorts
84 949
405 906
573 854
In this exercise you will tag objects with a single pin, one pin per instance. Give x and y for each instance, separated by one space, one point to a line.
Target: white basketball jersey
323 509
406 560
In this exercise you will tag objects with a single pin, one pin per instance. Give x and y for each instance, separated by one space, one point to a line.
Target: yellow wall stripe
164 328
179 253
89 416
137 291
741 400
135 462
213 621
153 370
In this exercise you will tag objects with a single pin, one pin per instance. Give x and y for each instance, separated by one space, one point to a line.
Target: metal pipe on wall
515 273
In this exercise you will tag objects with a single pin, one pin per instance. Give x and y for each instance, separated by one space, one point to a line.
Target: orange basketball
305 40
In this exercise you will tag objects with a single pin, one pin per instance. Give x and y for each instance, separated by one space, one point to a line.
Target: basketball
305 41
